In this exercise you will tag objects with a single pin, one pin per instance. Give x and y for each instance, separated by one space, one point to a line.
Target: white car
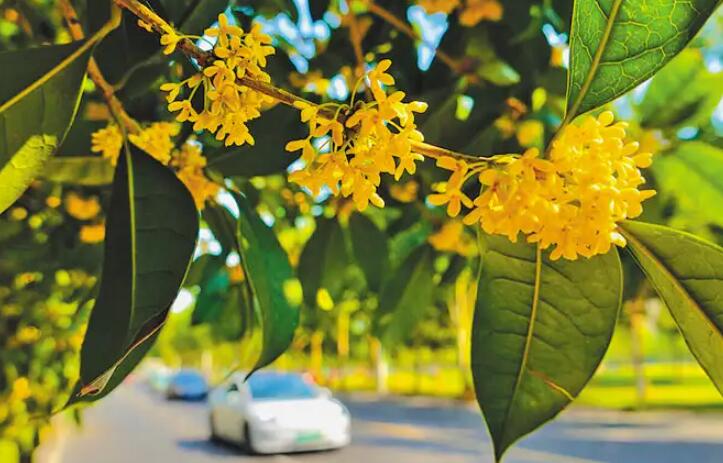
278 413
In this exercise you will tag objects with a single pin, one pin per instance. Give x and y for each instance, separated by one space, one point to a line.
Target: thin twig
205 58
95 74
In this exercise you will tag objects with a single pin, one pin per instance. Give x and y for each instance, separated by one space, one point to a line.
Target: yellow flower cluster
452 238
374 138
572 200
189 162
82 208
155 139
471 11
92 234
227 105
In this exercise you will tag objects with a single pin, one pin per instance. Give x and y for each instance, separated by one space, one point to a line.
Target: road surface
135 425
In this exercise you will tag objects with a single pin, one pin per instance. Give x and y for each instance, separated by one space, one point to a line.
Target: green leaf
692 174
540 330
323 261
268 155
371 249
406 297
38 102
201 15
151 232
212 298
222 225
79 170
271 279
202 269
617 44
683 93
687 273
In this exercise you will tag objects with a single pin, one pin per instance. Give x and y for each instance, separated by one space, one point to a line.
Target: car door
232 412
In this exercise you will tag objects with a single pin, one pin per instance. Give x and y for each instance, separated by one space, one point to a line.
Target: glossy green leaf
617 44
371 249
406 297
683 93
151 232
79 170
540 330
271 279
687 273
222 225
692 174
268 155
323 261
202 269
38 102
212 298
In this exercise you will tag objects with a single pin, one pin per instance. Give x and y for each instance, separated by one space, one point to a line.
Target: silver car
278 413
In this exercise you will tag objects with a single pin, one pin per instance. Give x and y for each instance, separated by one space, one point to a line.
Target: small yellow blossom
236 274
107 141
82 208
451 238
53 201
189 162
144 25
405 193
18 213
92 234
439 6
324 300
157 140
530 133
479 10
169 39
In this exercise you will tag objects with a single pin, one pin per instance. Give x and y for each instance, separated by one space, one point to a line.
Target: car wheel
249 441
212 425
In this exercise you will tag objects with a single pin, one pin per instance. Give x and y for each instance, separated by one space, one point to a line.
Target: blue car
187 384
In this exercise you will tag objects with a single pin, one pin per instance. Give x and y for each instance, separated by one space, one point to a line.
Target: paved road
134 425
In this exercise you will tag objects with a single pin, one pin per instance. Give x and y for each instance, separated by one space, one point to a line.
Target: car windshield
272 386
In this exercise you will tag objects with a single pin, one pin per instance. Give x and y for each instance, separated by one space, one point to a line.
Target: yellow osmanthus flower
227 105
82 208
92 234
451 238
375 138
439 6
108 141
405 193
189 162
571 201
475 11
155 139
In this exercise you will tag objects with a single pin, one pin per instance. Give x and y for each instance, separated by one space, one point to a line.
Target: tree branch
205 58
95 74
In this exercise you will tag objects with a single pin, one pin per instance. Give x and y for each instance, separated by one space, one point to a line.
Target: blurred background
403 375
